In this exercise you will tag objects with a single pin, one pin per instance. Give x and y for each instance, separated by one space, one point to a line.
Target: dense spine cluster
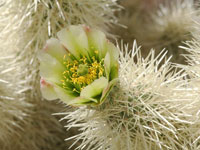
150 108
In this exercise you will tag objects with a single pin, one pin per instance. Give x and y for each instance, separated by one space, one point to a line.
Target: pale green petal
80 37
97 41
47 90
114 71
55 49
114 52
64 95
66 39
50 68
82 101
107 90
95 88
114 55
75 40
107 65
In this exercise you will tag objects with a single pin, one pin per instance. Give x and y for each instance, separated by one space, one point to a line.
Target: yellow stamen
65 56
80 73
75 90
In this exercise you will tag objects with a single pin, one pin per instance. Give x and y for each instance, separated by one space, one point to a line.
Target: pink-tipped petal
47 90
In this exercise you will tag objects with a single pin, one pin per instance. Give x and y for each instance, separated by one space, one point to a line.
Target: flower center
82 69
79 74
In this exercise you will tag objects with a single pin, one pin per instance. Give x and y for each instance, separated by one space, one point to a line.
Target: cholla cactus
13 108
149 108
166 24
170 27
193 58
26 25
193 71
23 116
79 68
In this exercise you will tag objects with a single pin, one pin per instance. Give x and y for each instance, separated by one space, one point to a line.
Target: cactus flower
80 67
